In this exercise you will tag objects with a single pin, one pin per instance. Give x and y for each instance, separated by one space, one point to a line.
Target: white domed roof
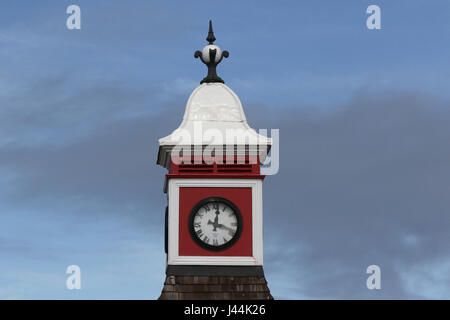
213 106
214 110
214 102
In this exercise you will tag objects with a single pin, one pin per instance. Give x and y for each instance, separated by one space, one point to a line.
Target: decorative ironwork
211 55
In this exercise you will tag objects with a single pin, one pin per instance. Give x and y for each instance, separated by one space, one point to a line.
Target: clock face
215 223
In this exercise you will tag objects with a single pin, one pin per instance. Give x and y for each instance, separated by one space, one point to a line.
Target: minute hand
225 227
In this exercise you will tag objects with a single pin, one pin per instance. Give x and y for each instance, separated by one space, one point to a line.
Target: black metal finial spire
211 55
211 38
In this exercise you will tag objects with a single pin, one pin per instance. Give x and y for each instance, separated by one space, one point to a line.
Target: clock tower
214 216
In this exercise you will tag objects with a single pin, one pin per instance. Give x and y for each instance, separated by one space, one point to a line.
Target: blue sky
363 118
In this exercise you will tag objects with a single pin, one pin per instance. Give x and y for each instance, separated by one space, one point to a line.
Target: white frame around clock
256 259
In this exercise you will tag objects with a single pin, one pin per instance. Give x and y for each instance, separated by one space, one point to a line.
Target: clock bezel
204 245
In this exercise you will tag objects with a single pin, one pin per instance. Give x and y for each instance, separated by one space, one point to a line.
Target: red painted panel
241 197
248 166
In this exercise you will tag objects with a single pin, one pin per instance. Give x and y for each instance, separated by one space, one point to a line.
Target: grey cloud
54 109
364 184
367 184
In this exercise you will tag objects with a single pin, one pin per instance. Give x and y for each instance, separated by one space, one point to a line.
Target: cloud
86 194
365 183
430 279
362 180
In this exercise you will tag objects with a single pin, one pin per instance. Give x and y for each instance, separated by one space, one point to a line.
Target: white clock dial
215 223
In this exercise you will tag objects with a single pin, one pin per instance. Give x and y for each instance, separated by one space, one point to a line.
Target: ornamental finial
211 55
211 38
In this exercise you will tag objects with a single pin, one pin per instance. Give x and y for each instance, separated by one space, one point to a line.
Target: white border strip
257 231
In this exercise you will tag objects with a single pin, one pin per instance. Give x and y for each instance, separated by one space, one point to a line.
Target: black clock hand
216 220
221 226
215 223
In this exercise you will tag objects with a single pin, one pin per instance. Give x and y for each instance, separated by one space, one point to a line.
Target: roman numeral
197 225
206 207
206 239
215 242
225 240
199 233
215 206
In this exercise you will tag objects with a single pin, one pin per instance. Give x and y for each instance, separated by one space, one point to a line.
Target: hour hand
214 224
